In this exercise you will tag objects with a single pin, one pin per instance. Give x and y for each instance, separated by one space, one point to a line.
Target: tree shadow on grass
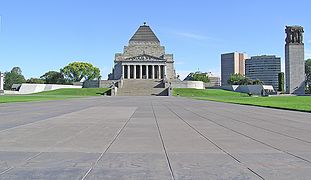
105 93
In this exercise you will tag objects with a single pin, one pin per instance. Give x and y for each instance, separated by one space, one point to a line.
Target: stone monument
294 60
143 58
1 83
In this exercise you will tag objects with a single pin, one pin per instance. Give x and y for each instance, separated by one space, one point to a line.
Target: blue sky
39 36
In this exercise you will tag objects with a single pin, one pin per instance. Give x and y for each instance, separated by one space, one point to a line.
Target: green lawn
27 98
300 103
77 92
58 94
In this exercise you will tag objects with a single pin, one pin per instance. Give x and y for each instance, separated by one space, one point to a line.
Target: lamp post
1 83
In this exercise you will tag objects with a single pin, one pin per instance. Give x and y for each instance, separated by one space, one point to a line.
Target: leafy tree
16 70
239 79
200 77
308 75
13 77
53 77
35 81
256 82
77 71
281 82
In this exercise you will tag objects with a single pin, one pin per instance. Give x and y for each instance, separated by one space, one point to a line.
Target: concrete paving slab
131 166
152 138
203 166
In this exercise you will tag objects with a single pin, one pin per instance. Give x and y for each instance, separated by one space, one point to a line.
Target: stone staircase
142 87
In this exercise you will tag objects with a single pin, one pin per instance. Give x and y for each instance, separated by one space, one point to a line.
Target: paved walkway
152 138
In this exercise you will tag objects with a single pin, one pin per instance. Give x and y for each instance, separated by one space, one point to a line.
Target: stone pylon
294 60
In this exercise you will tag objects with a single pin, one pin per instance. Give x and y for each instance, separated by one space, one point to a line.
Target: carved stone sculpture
294 34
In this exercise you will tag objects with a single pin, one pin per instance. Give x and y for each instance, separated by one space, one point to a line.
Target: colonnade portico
132 71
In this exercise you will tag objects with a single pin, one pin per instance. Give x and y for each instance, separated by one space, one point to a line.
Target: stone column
134 73
140 72
122 71
147 72
164 69
128 72
160 73
153 74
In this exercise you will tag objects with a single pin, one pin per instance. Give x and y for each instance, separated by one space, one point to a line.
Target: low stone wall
35 88
188 84
229 88
91 84
106 83
98 84
9 92
252 89
174 84
211 85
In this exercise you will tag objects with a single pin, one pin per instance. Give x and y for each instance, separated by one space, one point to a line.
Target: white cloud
192 35
179 62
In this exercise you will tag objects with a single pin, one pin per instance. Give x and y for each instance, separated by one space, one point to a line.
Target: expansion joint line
265 129
245 135
264 120
39 153
162 142
27 160
110 144
44 119
215 144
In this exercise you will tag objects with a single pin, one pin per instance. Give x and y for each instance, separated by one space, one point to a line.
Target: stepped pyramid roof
144 34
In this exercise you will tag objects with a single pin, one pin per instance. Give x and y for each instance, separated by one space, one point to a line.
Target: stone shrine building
143 58
143 69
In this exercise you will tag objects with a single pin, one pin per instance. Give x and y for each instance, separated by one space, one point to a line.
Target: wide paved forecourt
152 138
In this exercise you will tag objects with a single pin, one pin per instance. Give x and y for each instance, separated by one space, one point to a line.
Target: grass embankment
298 103
76 92
28 98
58 94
